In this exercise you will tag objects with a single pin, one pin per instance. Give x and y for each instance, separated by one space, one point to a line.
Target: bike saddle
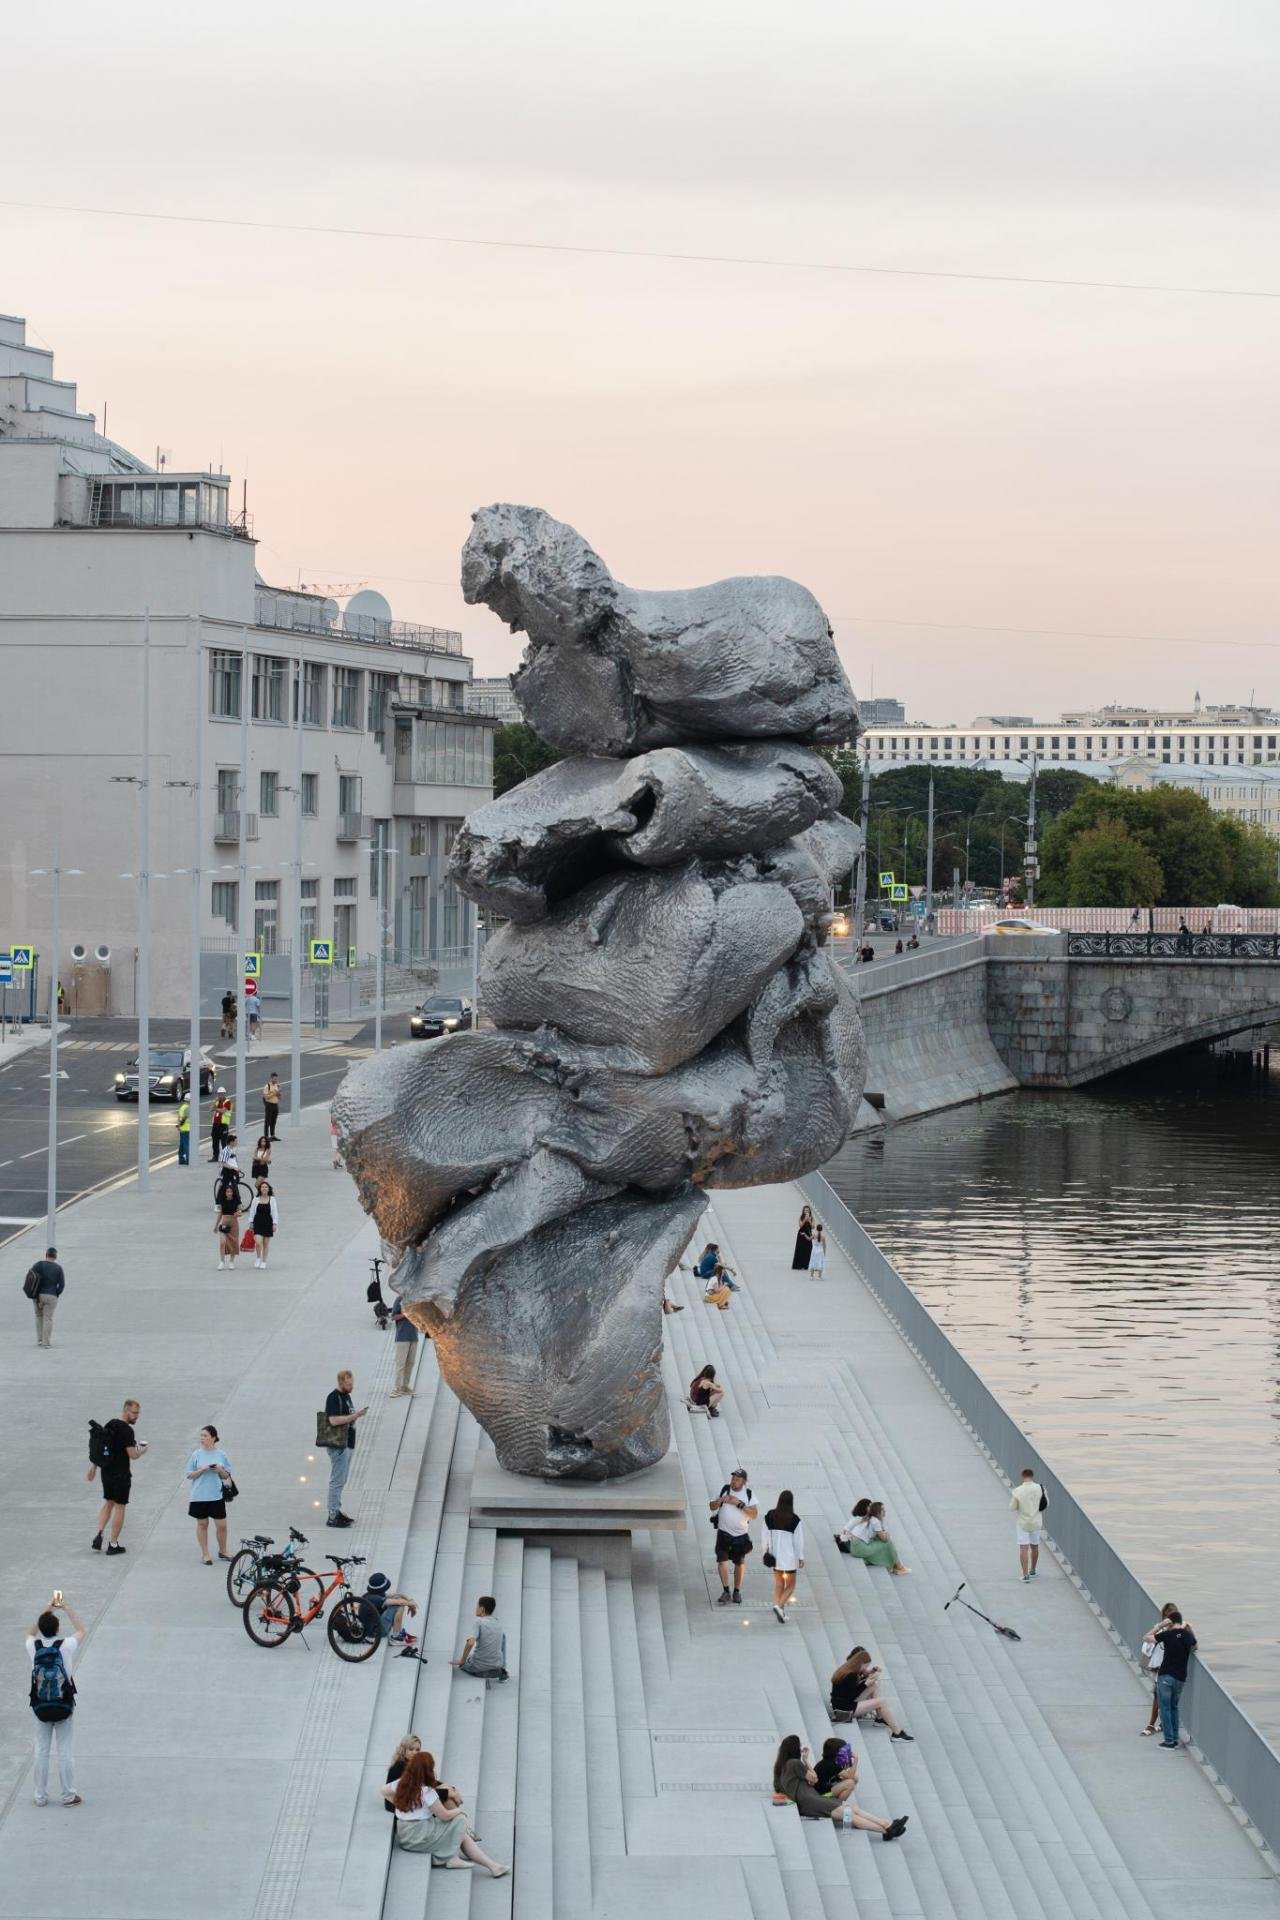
260 1540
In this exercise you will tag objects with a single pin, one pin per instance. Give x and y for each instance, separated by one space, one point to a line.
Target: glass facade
444 753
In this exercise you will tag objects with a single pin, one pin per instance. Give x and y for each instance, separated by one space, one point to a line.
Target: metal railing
1232 1746
354 826
1173 946
290 613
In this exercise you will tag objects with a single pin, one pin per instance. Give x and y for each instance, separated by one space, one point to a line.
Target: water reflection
1107 1260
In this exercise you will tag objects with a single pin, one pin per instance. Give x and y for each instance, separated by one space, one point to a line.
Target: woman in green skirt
430 1818
866 1538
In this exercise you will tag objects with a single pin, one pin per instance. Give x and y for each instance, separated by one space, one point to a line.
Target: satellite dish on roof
329 613
365 612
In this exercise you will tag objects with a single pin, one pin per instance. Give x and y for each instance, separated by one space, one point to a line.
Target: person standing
266 1218
1028 1501
1148 1653
219 1124
229 1157
804 1240
209 1470
53 1697
184 1131
818 1253
228 1028
1178 1644
734 1509
783 1544
254 1014
342 1413
122 1448
43 1285
406 1348
227 1219
271 1105
260 1165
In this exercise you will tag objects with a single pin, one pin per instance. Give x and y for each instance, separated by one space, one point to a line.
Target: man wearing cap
392 1607
734 1509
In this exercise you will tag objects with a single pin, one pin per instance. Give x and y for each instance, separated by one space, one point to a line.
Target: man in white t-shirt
52 1656
734 1509
1028 1502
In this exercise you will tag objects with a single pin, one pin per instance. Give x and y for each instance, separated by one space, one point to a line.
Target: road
97 1134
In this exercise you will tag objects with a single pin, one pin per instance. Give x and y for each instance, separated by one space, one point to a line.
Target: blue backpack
53 1692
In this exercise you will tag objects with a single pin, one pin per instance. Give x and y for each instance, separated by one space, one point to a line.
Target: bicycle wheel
242 1576
354 1628
269 1615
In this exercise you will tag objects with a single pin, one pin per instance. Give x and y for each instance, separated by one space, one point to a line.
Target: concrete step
603 1753
567 1787
635 1755
646 1600
533 1893
495 1802
465 1732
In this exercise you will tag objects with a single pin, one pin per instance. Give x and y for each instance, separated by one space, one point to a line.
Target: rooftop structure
494 697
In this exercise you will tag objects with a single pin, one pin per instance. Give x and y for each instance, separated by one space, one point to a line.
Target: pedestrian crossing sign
23 959
899 892
322 953
886 882
253 966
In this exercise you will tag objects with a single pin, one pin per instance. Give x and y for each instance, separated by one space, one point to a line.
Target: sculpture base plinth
515 1503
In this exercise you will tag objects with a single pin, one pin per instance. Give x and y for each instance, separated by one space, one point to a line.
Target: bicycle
274 1610
253 1564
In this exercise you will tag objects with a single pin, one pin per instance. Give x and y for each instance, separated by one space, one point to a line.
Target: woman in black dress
266 1218
804 1241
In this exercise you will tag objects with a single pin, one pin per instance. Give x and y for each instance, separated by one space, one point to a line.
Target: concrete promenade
627 1761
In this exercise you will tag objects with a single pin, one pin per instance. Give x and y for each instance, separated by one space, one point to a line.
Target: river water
1107 1259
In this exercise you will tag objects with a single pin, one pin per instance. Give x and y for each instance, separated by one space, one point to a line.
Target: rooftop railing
290 613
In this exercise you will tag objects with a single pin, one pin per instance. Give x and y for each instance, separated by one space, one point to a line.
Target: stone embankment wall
928 1046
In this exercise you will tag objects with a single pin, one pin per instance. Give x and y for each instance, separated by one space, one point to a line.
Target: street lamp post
385 853
928 878
860 899
242 892
56 871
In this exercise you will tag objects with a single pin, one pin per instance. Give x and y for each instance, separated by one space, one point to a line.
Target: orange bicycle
278 1607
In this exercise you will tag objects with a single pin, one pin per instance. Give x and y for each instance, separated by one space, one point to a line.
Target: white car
1020 926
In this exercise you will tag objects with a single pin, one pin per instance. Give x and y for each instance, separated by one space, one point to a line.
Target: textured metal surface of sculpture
666 1018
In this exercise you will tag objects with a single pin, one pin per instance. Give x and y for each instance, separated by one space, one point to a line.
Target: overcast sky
961 471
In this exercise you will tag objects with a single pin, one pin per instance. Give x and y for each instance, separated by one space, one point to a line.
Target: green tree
519 752
1185 836
1108 867
1253 856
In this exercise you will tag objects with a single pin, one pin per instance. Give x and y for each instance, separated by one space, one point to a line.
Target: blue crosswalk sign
22 959
322 953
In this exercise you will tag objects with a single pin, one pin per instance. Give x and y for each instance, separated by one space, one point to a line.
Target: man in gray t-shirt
485 1654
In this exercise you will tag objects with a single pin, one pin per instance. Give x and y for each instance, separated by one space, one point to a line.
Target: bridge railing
1173 946
1230 1743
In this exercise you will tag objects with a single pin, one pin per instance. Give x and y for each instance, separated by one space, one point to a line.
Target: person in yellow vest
220 1124
184 1131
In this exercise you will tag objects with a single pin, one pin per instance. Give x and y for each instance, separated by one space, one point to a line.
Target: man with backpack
43 1288
53 1697
112 1451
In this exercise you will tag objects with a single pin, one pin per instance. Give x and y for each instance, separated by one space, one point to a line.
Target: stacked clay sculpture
666 1018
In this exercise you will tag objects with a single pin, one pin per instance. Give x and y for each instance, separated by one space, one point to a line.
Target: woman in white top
866 1537
784 1543
430 1818
208 1471
818 1252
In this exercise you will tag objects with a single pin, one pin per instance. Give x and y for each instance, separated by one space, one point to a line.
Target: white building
1088 748
1245 793
494 697
364 735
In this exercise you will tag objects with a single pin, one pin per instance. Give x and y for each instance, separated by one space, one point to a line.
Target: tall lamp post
385 853
56 871
860 899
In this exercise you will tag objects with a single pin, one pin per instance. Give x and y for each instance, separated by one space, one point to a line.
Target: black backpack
53 1692
99 1445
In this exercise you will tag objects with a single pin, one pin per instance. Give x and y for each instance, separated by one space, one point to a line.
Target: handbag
230 1491
1155 1659
767 1560
327 1435
246 1240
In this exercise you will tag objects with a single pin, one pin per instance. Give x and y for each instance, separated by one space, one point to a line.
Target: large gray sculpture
666 1016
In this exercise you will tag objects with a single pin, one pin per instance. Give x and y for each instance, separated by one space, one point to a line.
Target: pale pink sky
917 451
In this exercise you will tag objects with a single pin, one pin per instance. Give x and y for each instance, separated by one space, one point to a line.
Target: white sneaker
221 1265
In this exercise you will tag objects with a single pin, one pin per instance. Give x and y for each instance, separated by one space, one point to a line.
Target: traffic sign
322 953
6 970
899 891
250 987
886 882
23 959
351 956
253 966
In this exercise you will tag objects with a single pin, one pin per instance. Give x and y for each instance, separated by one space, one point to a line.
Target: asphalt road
98 1134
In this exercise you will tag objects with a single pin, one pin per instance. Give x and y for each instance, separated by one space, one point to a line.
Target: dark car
443 1013
170 1070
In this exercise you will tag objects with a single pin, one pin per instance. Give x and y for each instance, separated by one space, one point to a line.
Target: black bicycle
255 1563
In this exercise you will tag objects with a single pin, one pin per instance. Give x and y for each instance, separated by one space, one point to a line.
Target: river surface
1107 1259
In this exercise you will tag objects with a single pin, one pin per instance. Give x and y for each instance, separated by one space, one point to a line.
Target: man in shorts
1026 1501
117 1475
734 1509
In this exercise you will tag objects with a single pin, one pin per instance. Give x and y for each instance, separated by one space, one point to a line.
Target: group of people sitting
719 1281
825 1789
867 1538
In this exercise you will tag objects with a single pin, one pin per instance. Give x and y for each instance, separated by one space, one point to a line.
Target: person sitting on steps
484 1656
867 1539
703 1391
797 1780
855 1694
431 1819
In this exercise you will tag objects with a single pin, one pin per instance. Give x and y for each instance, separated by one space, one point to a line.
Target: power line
1049 633
639 253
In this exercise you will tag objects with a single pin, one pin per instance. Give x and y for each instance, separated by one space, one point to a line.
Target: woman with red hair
430 1818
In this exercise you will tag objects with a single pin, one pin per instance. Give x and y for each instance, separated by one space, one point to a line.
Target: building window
348 793
228 788
313 681
266 914
310 795
270 678
346 697
344 935
224 686
417 837
226 904
448 754
344 887
269 794
382 689
418 915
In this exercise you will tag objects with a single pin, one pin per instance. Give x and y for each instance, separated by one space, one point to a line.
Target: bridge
982 1014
